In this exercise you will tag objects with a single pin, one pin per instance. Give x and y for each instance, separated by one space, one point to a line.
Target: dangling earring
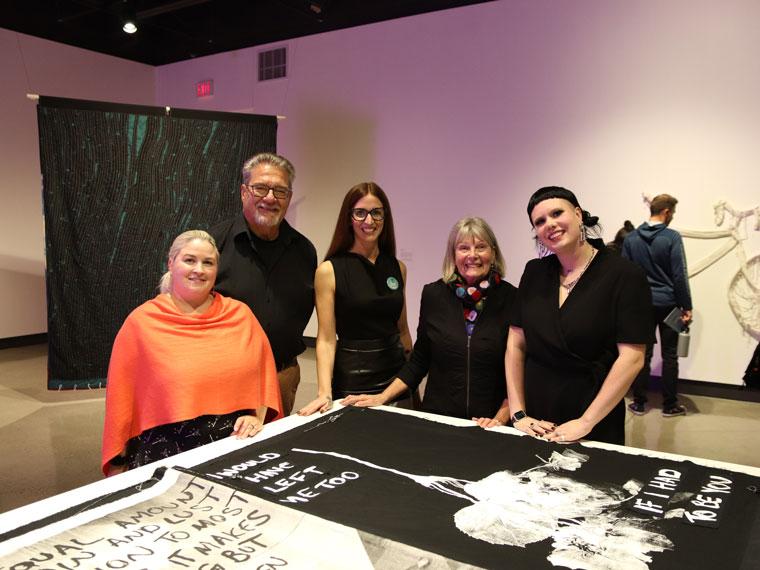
541 249
583 235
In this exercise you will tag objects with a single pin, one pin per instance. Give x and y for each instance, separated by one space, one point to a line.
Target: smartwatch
517 416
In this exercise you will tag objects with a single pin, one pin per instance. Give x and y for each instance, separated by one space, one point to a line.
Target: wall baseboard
712 389
26 340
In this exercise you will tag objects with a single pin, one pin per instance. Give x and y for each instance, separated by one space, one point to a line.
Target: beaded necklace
569 286
473 297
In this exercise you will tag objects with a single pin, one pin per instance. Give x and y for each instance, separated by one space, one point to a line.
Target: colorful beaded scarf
473 297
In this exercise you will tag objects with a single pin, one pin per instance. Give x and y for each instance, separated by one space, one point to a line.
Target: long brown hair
343 237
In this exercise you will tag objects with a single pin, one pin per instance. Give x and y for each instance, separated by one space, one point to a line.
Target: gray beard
267 222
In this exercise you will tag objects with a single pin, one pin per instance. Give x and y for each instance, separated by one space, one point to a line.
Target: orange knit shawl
168 367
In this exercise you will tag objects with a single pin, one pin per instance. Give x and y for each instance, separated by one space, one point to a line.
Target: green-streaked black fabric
120 182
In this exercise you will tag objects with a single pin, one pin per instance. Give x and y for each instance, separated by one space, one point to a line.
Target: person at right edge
659 250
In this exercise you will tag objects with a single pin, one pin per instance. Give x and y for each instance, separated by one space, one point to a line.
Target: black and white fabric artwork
481 497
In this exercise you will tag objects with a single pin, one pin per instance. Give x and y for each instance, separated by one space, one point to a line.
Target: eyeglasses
360 214
262 191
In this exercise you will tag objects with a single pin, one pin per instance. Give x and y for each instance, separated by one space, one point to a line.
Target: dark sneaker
674 411
637 408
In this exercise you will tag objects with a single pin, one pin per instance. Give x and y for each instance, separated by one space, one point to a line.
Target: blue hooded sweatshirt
659 250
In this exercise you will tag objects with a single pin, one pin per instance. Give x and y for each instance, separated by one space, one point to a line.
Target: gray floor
50 441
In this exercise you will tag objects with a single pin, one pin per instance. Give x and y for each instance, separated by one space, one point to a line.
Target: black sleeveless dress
369 299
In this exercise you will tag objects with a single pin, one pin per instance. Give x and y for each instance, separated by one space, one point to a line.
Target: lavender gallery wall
467 111
33 65
461 112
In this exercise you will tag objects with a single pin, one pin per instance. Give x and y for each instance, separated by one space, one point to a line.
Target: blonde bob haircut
165 284
468 228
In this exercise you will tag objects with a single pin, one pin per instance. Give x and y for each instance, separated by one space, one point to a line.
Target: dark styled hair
624 231
549 192
662 202
343 237
616 244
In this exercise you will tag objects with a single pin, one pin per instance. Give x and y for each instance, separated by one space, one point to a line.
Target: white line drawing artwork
587 525
744 289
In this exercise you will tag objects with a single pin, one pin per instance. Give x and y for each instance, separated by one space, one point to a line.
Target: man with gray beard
268 265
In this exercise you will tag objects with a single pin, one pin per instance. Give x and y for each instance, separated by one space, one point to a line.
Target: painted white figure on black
584 522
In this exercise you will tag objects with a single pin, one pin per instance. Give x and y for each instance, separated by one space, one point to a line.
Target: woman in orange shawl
188 367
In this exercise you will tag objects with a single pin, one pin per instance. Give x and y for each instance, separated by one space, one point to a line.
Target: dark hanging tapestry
120 182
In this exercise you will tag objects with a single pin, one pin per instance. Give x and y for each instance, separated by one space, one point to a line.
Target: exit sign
204 88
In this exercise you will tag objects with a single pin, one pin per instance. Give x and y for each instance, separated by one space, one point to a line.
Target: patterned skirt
170 439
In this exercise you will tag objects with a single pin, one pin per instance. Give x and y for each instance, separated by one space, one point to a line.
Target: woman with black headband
579 329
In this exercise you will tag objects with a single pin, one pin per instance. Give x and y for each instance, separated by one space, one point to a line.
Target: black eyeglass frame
360 214
279 192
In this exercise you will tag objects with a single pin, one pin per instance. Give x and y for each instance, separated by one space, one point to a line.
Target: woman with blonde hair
462 333
188 367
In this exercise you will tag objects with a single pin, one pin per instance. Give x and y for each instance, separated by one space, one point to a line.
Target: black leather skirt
366 366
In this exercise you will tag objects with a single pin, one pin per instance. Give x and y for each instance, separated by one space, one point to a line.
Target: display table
389 488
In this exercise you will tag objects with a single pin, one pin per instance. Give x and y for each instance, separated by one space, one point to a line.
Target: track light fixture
129 17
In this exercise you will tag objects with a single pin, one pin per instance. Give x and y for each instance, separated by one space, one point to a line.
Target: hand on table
534 427
247 426
488 422
363 400
320 404
569 432
500 418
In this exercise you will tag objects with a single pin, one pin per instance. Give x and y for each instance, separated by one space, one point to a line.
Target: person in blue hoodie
659 250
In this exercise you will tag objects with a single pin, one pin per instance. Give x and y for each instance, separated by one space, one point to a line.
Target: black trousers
669 353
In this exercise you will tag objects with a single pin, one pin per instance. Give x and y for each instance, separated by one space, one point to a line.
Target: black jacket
465 376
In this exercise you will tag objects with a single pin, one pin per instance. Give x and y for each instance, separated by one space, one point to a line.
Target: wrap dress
570 349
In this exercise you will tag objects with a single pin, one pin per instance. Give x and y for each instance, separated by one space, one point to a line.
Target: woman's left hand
488 422
247 426
569 432
321 404
500 418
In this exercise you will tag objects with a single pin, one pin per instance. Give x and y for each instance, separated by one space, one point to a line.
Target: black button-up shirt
277 284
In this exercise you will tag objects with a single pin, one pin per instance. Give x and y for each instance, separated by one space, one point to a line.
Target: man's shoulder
295 237
222 230
672 234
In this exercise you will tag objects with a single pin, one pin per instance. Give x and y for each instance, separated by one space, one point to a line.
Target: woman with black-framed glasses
363 336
